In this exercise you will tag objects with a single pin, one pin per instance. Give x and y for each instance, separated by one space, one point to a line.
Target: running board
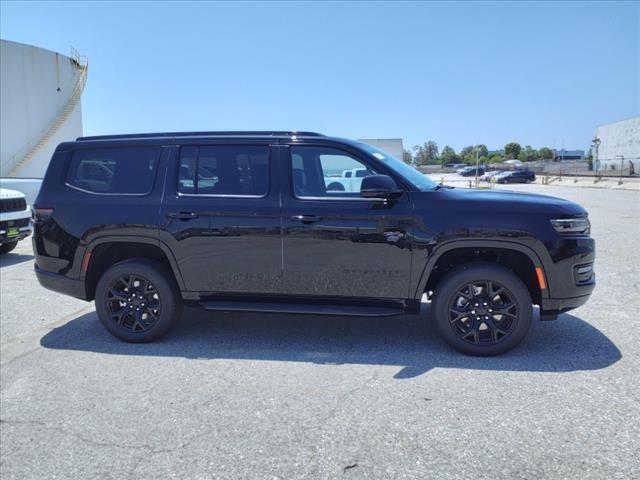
299 308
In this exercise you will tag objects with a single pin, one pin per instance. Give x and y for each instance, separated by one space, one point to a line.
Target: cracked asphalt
282 396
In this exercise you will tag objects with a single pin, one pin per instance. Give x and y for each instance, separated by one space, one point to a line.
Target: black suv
471 171
245 221
517 176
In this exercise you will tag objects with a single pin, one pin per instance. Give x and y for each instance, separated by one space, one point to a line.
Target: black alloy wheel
483 313
482 309
137 300
133 303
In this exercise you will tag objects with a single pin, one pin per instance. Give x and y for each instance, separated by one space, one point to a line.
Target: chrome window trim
349 199
109 194
221 195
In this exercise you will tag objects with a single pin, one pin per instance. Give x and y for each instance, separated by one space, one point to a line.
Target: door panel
228 241
341 246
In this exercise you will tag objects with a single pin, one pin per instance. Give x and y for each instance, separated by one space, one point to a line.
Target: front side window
418 179
125 170
224 170
326 172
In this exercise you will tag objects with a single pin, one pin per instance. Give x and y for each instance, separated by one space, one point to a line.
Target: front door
335 242
221 218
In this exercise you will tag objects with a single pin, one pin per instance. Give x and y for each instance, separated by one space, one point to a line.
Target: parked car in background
349 181
471 171
15 219
488 176
517 176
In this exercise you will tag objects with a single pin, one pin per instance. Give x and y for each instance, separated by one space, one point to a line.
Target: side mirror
379 186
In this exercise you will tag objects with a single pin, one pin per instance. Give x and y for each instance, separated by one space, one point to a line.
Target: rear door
221 218
337 243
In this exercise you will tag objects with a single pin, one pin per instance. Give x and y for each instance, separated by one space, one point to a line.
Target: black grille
12 205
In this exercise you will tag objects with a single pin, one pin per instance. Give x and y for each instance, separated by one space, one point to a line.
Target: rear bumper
61 284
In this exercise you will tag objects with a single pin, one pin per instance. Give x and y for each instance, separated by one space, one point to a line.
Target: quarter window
129 170
224 170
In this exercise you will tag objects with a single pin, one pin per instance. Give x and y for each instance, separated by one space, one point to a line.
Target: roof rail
231 133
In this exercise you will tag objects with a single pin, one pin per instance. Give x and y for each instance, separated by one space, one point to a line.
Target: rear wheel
482 309
137 300
7 247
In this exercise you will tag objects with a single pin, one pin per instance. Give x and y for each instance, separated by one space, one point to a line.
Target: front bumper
571 276
60 283
14 230
552 307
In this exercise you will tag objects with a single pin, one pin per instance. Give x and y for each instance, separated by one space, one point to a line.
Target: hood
503 201
7 193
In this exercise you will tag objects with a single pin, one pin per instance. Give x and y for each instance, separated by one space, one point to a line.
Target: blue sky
457 73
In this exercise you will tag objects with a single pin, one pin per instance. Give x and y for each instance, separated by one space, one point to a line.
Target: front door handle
306 218
182 215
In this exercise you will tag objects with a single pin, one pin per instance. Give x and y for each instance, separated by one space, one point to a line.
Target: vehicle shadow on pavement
13 259
410 342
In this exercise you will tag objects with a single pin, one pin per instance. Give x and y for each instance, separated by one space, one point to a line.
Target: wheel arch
103 252
520 258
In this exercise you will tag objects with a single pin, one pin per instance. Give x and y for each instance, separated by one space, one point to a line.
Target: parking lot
284 396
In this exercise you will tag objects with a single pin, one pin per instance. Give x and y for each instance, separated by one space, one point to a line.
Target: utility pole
621 165
477 163
596 144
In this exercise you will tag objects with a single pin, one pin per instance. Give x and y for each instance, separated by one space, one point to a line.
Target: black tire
460 313
335 187
7 247
123 315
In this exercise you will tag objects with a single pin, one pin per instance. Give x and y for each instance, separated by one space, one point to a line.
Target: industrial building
617 145
393 146
40 93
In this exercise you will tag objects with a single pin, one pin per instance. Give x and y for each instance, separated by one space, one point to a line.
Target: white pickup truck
349 181
15 219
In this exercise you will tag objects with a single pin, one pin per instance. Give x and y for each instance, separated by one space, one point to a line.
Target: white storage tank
40 107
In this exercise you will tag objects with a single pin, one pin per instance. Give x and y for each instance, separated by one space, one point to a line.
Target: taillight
41 213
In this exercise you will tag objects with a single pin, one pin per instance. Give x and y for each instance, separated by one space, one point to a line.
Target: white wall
392 146
30 101
619 138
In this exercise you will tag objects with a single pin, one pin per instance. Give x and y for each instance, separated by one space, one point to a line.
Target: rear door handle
182 215
306 218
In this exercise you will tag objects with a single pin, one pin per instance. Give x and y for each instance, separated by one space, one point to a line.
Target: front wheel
482 309
137 300
7 247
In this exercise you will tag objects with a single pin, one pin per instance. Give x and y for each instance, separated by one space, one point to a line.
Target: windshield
419 180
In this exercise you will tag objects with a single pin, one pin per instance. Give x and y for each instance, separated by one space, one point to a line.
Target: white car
349 181
489 175
15 219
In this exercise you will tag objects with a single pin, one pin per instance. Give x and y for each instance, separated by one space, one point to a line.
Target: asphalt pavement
283 396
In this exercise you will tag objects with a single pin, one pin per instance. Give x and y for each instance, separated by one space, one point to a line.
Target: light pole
621 165
596 144
477 163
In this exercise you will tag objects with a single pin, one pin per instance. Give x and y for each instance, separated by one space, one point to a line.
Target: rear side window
128 170
224 170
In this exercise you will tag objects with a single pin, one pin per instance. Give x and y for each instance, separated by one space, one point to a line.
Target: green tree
448 155
483 150
426 153
528 154
545 153
468 154
407 157
512 150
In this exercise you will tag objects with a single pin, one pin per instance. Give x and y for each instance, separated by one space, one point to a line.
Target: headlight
572 226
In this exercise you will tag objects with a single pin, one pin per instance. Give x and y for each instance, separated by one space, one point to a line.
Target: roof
226 134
